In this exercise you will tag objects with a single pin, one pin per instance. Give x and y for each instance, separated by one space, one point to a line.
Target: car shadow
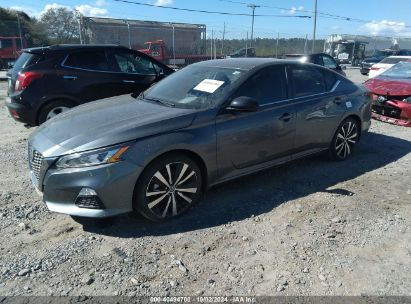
262 192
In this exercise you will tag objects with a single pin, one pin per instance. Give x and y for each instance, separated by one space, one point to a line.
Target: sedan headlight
407 99
93 158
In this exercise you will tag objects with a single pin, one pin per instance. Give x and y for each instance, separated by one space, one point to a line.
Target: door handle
129 81
338 100
286 117
68 77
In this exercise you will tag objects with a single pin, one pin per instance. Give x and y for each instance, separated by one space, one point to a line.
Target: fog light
88 198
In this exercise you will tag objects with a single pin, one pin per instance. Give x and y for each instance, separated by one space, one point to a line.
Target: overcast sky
387 18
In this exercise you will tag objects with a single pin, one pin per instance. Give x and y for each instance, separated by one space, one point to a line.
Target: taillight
24 79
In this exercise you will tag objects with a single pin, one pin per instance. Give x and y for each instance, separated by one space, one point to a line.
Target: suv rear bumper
19 111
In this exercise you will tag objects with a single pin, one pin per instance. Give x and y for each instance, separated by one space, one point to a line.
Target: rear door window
127 62
88 60
318 60
307 80
266 86
329 62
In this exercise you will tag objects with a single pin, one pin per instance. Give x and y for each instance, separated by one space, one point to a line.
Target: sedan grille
36 163
388 111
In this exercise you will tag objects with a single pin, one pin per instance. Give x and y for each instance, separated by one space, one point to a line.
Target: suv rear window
27 59
90 60
330 79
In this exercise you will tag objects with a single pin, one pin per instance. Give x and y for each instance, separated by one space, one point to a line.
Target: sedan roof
242 63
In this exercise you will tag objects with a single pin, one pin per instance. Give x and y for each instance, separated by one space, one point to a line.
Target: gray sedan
208 123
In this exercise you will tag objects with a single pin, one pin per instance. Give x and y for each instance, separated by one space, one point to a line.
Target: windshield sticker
209 85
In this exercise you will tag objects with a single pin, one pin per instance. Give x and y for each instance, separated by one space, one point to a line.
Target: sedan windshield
194 87
400 70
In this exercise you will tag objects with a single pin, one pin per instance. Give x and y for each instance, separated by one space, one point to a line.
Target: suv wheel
344 140
168 187
53 109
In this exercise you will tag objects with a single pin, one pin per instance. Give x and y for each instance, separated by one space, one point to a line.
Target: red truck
158 50
10 50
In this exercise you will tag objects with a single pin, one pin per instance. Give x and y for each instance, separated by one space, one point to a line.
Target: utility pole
315 24
80 28
129 35
212 39
276 45
305 44
246 46
18 24
253 7
174 46
222 42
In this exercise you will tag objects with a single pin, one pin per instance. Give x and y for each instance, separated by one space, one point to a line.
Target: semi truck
345 50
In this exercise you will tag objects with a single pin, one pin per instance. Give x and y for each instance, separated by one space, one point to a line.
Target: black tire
46 110
165 176
365 74
344 140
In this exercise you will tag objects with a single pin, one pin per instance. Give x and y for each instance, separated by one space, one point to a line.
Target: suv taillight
24 79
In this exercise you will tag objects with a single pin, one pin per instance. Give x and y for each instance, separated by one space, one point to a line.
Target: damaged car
391 94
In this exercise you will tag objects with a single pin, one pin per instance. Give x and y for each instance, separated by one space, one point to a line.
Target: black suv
49 80
319 59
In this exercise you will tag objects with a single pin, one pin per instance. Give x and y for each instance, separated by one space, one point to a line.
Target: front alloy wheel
171 186
345 138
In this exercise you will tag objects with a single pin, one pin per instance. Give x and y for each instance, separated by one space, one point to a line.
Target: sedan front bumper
113 184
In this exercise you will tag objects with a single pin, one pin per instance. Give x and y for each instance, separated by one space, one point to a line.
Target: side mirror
244 104
160 72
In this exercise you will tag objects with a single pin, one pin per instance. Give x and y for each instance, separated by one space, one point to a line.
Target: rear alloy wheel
168 188
53 109
56 111
346 137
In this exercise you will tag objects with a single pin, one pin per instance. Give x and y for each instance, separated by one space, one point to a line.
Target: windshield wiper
165 103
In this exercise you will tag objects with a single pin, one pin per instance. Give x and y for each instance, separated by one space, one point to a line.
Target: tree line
56 25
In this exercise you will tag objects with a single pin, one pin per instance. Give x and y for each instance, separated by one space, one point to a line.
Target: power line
321 14
208 12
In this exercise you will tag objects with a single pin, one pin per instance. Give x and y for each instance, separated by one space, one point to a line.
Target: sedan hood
107 122
387 86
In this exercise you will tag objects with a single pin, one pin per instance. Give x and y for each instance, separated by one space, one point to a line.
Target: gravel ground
313 227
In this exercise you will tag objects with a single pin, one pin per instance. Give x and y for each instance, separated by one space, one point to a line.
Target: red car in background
391 94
